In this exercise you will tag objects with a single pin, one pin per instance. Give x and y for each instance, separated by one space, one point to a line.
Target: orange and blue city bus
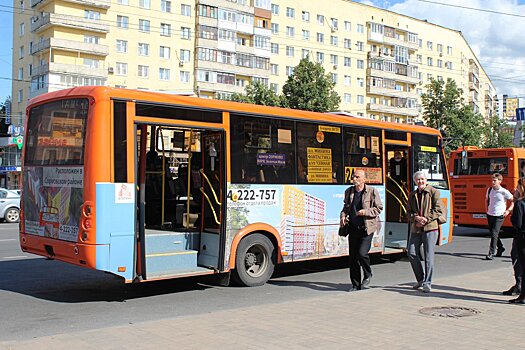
471 170
149 186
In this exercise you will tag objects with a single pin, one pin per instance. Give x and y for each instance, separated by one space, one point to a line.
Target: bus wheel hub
250 259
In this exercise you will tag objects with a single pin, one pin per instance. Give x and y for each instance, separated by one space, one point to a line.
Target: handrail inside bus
211 187
398 185
211 206
400 203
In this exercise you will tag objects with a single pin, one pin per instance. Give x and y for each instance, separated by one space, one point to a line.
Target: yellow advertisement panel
334 129
319 164
373 175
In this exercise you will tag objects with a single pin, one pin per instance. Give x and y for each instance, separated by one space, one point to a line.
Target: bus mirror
464 160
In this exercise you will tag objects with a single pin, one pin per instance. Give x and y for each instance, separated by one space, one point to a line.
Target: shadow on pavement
319 286
476 256
446 292
64 283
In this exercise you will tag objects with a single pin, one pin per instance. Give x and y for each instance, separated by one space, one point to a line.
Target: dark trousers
359 243
516 262
495 223
520 248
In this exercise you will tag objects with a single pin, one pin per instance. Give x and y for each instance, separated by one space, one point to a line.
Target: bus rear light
87 224
75 250
23 240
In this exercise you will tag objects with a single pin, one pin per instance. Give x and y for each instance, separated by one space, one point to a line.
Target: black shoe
512 290
489 257
366 282
499 252
354 289
518 300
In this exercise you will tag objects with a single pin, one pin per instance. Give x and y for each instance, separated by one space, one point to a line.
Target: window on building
348 26
208 11
334 77
121 68
347 80
290 12
185 10
90 14
347 62
334 59
429 45
440 63
449 50
275 28
290 32
165 6
143 71
360 82
21 52
143 49
165 29
144 25
429 61
347 44
289 51
91 39
185 55
306 34
305 53
164 73
289 70
320 37
274 69
21 73
333 40
347 98
274 87
21 29
335 23
184 76
305 15
275 9
165 52
360 28
360 64
360 46
185 33
320 57
360 99
145 4
439 48
320 20
274 48
122 22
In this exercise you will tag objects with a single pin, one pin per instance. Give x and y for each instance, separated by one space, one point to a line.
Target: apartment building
380 60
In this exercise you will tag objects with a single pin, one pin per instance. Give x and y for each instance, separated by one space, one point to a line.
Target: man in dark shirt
362 206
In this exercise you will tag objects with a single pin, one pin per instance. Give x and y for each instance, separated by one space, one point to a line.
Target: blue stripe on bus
115 219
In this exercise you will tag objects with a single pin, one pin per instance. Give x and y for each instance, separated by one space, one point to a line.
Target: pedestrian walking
362 206
518 243
496 209
423 212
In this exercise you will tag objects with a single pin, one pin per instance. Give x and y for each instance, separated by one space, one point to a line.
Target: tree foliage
310 89
444 109
497 133
259 94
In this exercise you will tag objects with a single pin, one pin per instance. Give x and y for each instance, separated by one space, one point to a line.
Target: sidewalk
378 318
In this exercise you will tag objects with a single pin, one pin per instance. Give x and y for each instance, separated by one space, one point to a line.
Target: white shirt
498 201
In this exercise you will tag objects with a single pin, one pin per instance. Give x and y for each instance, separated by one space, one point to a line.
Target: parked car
9 205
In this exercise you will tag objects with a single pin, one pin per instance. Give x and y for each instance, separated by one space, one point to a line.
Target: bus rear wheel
254 261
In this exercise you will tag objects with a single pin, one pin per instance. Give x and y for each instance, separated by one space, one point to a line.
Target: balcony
410 112
391 75
205 86
52 19
103 4
229 5
70 45
374 90
400 42
73 69
473 86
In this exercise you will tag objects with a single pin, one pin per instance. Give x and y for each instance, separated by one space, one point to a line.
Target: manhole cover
449 311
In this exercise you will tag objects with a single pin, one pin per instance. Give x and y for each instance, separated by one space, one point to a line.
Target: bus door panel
397 189
428 157
212 175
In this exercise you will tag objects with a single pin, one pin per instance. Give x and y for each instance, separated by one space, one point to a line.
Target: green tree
444 109
259 94
497 133
310 89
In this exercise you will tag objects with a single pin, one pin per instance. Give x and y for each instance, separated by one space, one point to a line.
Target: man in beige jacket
362 206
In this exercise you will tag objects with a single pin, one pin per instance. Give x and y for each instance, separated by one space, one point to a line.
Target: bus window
56 133
362 149
429 160
262 150
318 153
482 166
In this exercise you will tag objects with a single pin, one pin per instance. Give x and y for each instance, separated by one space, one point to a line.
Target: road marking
8 239
15 257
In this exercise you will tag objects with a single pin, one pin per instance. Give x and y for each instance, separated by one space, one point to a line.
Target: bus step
157 243
397 244
169 263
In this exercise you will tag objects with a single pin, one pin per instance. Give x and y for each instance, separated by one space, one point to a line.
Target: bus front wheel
255 260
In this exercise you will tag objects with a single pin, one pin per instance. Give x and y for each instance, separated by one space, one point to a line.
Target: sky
495 35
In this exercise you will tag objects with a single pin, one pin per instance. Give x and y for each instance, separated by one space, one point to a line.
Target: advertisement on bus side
306 217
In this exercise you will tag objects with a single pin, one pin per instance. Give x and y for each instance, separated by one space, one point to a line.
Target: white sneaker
417 285
426 288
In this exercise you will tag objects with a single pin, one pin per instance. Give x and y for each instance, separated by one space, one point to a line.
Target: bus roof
100 93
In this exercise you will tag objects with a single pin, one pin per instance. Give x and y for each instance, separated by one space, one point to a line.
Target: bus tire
12 215
254 261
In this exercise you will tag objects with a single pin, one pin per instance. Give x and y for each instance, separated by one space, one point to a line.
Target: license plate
479 216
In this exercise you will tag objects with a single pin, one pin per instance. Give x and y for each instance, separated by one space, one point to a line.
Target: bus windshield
482 166
56 133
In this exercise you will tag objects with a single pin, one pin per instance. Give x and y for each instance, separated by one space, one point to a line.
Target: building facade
380 60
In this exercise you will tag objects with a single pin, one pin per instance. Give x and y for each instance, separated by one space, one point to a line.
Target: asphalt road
40 297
